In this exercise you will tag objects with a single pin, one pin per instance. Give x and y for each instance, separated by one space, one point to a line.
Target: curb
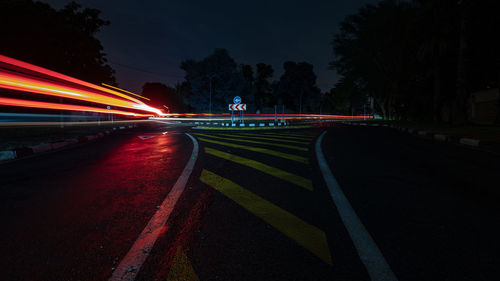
236 125
7 155
253 127
441 137
471 142
428 134
21 152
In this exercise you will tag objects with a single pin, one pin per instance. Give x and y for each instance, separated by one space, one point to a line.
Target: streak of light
60 106
226 116
58 124
202 117
54 74
20 82
31 115
125 91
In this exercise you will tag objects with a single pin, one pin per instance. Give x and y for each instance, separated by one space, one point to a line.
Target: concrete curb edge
427 134
21 152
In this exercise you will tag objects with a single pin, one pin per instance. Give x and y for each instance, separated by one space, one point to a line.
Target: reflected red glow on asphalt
97 202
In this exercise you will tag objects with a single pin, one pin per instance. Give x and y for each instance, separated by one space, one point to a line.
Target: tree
263 96
184 91
377 49
421 59
218 74
344 98
439 30
248 90
297 88
61 40
163 96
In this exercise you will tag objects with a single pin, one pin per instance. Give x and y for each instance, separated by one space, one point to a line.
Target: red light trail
18 76
14 80
49 105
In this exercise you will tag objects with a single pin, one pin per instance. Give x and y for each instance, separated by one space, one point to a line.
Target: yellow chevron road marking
286 176
274 128
277 136
256 142
305 136
181 269
265 138
292 157
305 234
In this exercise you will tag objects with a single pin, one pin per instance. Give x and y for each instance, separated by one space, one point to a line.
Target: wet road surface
72 215
255 207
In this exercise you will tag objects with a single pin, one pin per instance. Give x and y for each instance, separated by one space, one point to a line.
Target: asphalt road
255 207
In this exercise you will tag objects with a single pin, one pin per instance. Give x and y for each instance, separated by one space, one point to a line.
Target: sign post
237 100
237 106
283 113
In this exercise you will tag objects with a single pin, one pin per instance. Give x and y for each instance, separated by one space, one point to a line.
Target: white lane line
368 251
133 260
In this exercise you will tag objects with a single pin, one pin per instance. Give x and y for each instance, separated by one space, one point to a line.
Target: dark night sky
147 40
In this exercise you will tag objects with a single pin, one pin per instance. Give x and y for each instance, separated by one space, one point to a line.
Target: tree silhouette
421 59
61 40
163 96
263 96
297 88
217 73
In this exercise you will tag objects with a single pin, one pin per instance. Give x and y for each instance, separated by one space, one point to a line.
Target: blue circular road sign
237 100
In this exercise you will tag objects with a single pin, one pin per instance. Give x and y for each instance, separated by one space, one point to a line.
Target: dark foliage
61 40
297 88
420 59
219 75
164 97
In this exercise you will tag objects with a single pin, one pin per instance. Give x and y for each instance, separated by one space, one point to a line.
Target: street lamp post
210 77
210 102
300 103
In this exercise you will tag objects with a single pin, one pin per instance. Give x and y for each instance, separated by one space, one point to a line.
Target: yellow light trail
125 91
14 79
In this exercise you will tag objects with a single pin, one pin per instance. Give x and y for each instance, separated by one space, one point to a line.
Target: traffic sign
241 107
237 100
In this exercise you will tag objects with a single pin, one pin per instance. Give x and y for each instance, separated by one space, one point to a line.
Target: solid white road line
133 260
370 255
